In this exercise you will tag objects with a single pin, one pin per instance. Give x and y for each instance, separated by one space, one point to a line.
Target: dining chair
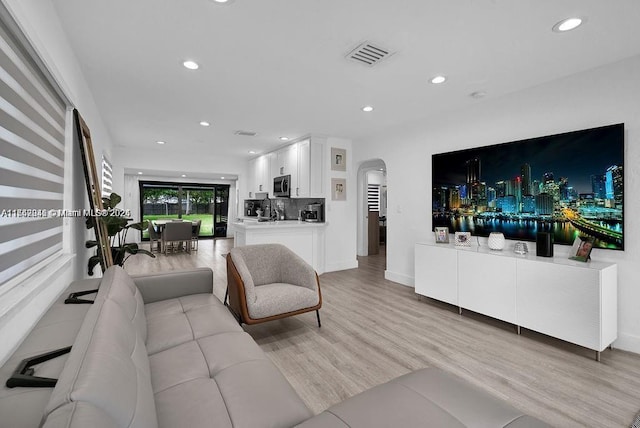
176 234
195 234
154 238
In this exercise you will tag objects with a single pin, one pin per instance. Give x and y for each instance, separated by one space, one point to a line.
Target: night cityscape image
568 184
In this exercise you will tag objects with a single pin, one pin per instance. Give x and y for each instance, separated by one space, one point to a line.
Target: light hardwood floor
374 330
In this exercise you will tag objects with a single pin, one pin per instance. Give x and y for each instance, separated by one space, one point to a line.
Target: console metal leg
318 316
598 356
459 310
518 329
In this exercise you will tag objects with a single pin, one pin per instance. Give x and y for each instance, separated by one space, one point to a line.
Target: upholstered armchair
269 281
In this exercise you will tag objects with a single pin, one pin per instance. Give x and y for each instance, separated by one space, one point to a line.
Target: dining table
161 223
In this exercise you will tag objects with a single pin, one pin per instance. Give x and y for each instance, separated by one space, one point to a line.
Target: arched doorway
372 207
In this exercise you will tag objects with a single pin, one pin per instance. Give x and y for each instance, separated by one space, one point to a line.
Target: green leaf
140 226
114 199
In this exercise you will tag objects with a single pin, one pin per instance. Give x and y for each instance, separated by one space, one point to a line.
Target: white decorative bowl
496 241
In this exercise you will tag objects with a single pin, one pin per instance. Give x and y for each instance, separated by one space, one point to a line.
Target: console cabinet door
564 302
487 284
436 272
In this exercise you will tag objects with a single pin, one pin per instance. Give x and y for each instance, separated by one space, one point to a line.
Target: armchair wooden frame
235 299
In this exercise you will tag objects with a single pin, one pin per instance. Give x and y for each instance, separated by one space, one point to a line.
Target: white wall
38 20
340 243
167 158
598 97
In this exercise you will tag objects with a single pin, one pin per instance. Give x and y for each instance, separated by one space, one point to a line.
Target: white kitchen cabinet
264 182
310 166
287 161
562 298
259 177
251 178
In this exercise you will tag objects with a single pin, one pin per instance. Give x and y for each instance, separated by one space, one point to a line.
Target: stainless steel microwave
282 186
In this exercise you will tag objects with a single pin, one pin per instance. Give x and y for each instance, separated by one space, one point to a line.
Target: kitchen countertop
255 224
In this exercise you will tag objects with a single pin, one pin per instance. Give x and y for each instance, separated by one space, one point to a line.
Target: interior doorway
372 208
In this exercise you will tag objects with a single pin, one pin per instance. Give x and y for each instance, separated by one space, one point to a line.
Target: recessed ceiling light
367 108
221 178
191 65
220 1
139 172
438 79
284 138
252 152
567 24
160 142
183 175
205 123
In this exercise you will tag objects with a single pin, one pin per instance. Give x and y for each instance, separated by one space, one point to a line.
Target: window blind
373 197
107 180
32 129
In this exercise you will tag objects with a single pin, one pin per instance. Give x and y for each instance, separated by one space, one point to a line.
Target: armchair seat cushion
280 298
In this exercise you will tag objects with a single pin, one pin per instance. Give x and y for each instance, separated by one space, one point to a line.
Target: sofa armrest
174 284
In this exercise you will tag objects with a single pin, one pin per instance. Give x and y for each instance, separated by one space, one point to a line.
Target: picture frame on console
463 239
442 235
581 249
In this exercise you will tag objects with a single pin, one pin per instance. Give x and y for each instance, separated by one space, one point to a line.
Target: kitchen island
303 238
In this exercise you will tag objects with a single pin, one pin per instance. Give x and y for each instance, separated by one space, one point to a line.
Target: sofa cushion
280 298
228 379
428 396
108 367
118 286
79 415
259 386
176 321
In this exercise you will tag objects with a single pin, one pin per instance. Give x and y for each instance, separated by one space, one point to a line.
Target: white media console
566 299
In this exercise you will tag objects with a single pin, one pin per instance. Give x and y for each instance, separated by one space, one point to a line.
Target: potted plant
117 227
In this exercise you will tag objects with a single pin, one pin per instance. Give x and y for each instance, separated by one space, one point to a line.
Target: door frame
363 207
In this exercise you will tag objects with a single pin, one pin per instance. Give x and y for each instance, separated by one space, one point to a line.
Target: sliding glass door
208 203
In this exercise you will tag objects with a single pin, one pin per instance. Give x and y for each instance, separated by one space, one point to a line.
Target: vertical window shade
373 197
107 174
32 128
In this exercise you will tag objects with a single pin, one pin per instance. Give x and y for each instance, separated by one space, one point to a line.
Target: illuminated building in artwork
454 198
528 204
598 186
544 204
525 175
614 185
473 178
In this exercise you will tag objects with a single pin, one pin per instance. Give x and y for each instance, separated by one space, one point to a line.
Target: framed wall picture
581 249
338 159
463 239
338 189
442 235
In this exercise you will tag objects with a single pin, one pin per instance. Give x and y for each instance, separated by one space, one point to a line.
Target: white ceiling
277 67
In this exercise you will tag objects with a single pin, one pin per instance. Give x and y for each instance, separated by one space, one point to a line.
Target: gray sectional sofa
163 351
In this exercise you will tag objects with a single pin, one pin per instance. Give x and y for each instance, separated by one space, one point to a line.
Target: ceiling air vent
368 54
246 133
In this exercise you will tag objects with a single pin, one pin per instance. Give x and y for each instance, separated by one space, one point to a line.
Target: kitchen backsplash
291 206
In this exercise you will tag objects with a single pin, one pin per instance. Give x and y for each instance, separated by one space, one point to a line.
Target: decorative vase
496 241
